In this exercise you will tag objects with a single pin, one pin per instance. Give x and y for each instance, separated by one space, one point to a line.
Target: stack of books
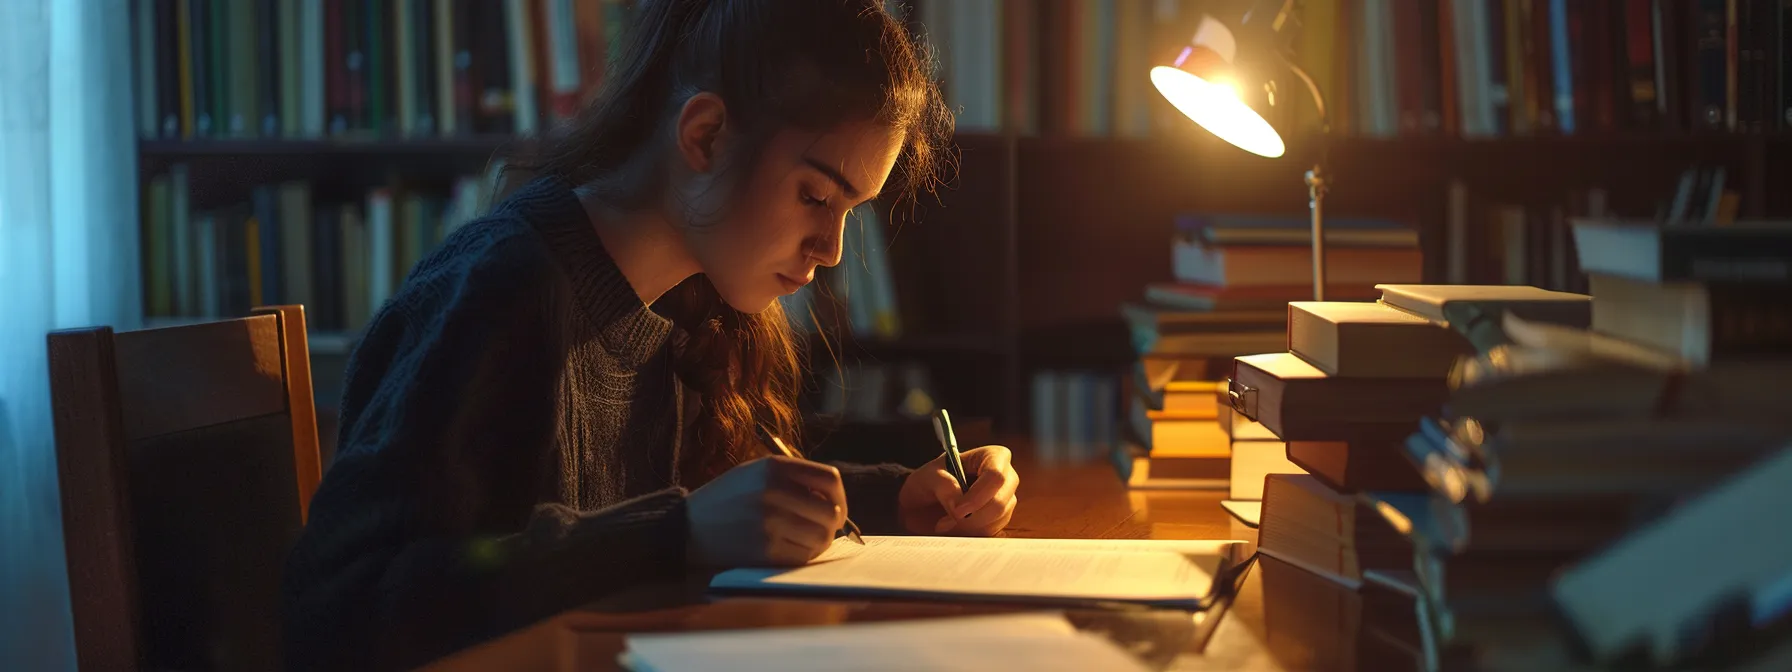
1172 436
1256 453
1235 275
1625 477
1229 262
1355 379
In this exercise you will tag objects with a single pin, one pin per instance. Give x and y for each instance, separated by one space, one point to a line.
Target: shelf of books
1389 68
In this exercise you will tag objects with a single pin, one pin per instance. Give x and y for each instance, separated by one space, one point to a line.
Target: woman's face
787 216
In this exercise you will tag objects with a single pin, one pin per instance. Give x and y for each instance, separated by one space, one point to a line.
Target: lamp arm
1312 88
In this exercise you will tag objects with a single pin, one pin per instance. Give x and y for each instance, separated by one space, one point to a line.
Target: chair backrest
187 457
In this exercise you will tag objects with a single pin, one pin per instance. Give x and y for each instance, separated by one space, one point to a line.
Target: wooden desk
1074 502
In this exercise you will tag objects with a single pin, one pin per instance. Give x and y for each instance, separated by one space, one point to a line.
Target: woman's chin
751 303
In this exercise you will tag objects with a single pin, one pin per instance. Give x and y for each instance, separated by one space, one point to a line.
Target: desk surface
1064 502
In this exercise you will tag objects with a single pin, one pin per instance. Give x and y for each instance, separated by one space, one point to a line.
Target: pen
852 529
942 428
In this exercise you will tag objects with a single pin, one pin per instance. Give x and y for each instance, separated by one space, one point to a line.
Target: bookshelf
1056 216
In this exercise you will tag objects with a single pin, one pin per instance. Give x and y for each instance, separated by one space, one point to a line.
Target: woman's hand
931 502
771 511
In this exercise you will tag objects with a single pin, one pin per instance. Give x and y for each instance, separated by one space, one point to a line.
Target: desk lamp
1224 79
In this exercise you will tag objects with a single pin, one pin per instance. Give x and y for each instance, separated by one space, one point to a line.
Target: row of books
367 68
1469 68
1603 458
1073 415
339 257
1532 244
1485 68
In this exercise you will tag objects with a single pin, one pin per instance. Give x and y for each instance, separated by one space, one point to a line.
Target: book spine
265 251
245 67
448 68
312 65
336 74
376 48
1783 75
269 76
354 63
404 68
424 71
1564 62
289 23
144 49
171 78
1749 320
217 24
1711 65
1740 258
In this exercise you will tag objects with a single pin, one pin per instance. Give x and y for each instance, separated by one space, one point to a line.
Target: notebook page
1084 569
970 644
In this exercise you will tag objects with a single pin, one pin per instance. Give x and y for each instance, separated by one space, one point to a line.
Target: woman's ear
702 125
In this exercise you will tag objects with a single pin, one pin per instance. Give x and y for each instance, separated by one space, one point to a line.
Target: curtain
68 258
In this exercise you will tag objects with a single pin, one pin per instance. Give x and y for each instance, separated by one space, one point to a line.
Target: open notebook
1182 574
966 644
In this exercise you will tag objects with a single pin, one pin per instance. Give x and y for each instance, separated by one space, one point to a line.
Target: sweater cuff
650 529
871 495
575 557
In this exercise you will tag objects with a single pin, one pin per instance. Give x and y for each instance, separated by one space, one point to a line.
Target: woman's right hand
772 511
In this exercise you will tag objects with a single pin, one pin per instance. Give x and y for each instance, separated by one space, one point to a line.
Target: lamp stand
1315 200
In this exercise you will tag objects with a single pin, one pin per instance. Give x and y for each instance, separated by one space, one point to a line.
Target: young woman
522 421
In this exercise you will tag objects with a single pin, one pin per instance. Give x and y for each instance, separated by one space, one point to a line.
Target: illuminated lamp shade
1204 83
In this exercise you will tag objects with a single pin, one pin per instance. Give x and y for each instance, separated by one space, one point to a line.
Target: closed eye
813 201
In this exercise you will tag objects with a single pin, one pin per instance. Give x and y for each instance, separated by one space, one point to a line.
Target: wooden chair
187 457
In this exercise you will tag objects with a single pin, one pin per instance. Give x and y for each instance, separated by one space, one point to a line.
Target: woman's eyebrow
835 175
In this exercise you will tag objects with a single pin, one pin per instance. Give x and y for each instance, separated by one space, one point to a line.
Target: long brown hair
806 64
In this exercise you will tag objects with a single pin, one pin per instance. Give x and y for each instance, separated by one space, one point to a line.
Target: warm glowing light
1218 108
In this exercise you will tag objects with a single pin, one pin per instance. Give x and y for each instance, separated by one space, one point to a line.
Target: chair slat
197 375
307 463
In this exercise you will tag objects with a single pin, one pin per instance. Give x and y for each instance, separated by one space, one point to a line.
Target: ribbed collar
604 300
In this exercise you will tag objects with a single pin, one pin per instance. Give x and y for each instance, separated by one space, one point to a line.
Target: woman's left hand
931 502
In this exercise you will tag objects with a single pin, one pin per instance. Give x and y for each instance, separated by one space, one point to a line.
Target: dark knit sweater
511 426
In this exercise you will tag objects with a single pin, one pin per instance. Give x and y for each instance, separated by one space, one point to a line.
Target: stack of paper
1168 573
970 644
